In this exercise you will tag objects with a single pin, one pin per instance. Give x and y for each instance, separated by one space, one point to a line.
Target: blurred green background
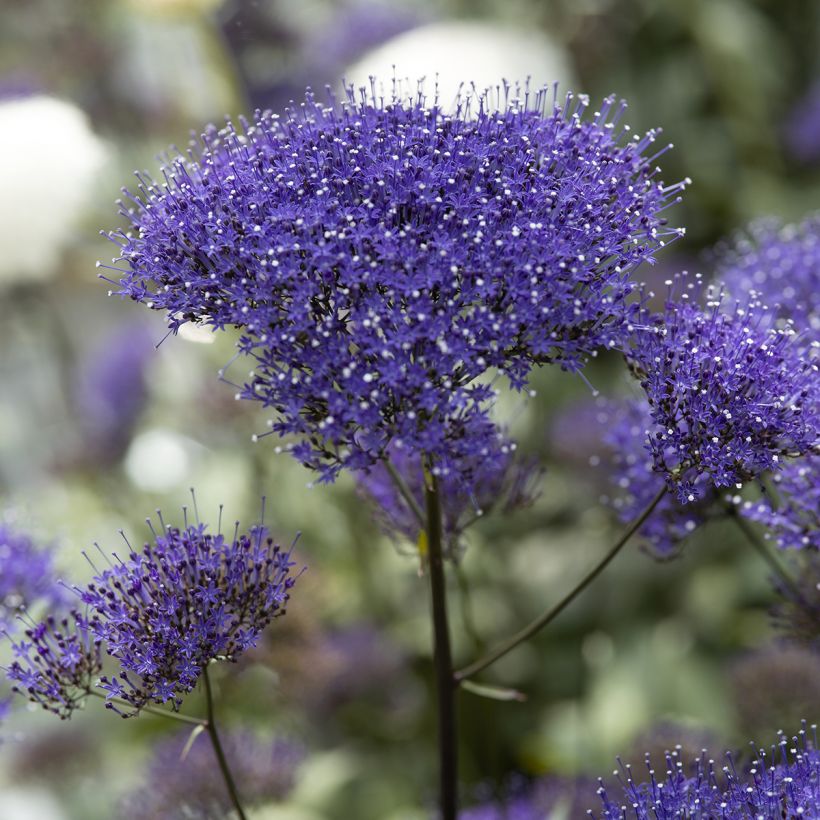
98 427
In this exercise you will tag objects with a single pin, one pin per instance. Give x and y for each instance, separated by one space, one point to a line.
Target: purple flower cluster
182 786
492 477
56 664
183 601
793 519
781 263
625 429
731 391
26 575
783 783
384 259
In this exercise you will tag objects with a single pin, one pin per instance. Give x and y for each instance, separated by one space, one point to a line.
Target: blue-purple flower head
492 478
384 258
781 782
781 263
184 600
162 613
791 512
624 427
732 391
27 575
56 663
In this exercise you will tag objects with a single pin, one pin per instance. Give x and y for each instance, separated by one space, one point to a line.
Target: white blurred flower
29 804
49 160
456 53
160 460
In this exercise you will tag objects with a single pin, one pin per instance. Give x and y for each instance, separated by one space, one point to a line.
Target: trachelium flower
732 391
624 429
784 782
57 663
162 613
385 259
791 513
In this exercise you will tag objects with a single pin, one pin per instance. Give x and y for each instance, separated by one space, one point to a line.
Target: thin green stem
540 622
757 544
218 750
442 655
153 710
405 491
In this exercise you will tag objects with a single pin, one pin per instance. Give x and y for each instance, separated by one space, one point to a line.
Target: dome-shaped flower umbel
381 256
782 783
731 390
186 599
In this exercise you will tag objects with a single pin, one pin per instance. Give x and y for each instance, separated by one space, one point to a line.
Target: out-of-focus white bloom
456 53
49 160
160 460
29 804
199 334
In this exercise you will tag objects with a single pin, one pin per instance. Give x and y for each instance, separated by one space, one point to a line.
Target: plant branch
218 750
406 493
757 544
442 655
153 710
539 623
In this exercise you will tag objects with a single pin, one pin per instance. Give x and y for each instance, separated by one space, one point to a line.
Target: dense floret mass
782 264
384 258
782 783
625 429
792 519
186 599
732 391
56 663
492 478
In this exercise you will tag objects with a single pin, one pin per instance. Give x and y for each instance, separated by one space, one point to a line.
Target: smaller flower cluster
185 600
624 429
731 390
491 477
57 663
782 264
793 520
783 783
182 786
26 575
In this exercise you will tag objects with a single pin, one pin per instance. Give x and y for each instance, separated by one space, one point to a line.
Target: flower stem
442 657
218 751
752 537
153 710
541 621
